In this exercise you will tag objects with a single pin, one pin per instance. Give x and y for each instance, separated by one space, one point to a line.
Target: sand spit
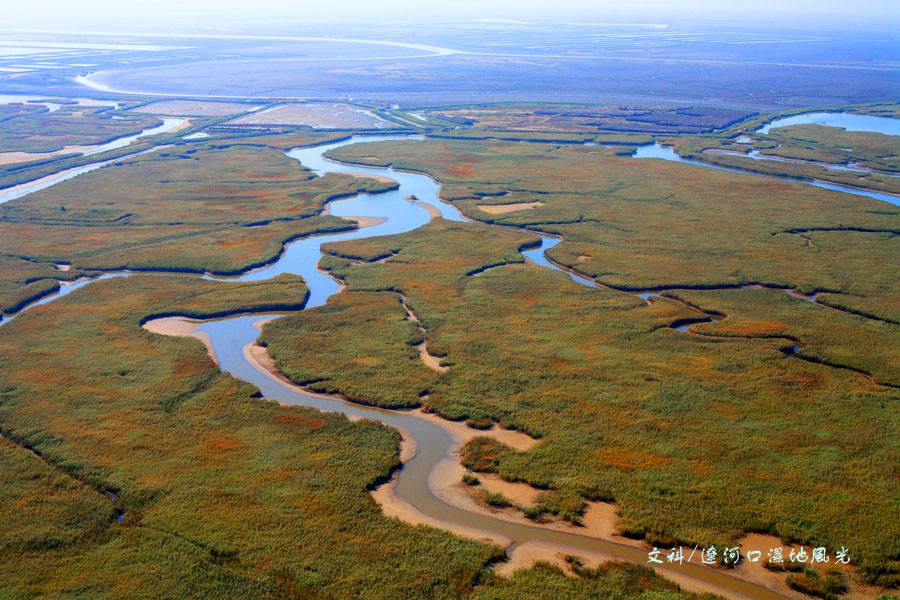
434 212
181 326
499 209
364 222
525 555
381 178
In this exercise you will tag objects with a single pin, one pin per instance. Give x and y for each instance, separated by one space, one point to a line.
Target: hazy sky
35 13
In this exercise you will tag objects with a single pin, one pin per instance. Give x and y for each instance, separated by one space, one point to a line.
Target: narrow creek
665 153
17 191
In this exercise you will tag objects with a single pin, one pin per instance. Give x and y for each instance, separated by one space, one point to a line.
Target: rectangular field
318 115
193 108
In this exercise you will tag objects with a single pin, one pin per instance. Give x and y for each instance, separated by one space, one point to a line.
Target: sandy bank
391 505
8 158
181 326
434 212
499 209
525 555
428 359
364 222
385 495
381 178
462 433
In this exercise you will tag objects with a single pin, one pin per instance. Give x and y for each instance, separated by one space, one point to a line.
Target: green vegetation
610 581
887 109
497 500
385 360
811 583
23 280
627 139
196 209
30 130
575 118
470 479
611 209
700 437
533 512
215 486
824 335
42 507
221 494
805 152
130 466
694 435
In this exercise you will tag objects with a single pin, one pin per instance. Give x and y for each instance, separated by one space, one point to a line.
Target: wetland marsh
413 313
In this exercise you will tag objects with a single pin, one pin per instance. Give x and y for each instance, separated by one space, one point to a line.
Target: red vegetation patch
224 444
624 458
298 421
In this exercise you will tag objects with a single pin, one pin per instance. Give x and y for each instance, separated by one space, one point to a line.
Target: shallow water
537 255
657 151
848 121
17 191
302 256
167 125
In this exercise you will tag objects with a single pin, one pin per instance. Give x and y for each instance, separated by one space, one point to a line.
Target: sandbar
498 209
181 326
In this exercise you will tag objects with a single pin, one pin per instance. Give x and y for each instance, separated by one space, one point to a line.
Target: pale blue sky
56 12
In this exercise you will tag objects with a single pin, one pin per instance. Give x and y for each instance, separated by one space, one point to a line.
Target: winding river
230 336
397 213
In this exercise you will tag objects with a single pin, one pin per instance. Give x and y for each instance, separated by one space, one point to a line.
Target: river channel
230 336
400 211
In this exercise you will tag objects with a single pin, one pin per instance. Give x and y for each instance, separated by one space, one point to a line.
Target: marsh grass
693 435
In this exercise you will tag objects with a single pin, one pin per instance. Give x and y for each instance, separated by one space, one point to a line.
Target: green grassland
887 109
870 150
132 467
689 226
386 360
189 208
625 139
696 435
582 118
215 486
42 507
800 147
28 130
22 280
218 493
609 581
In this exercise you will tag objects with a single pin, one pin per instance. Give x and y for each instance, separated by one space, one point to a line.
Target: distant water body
657 151
847 121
